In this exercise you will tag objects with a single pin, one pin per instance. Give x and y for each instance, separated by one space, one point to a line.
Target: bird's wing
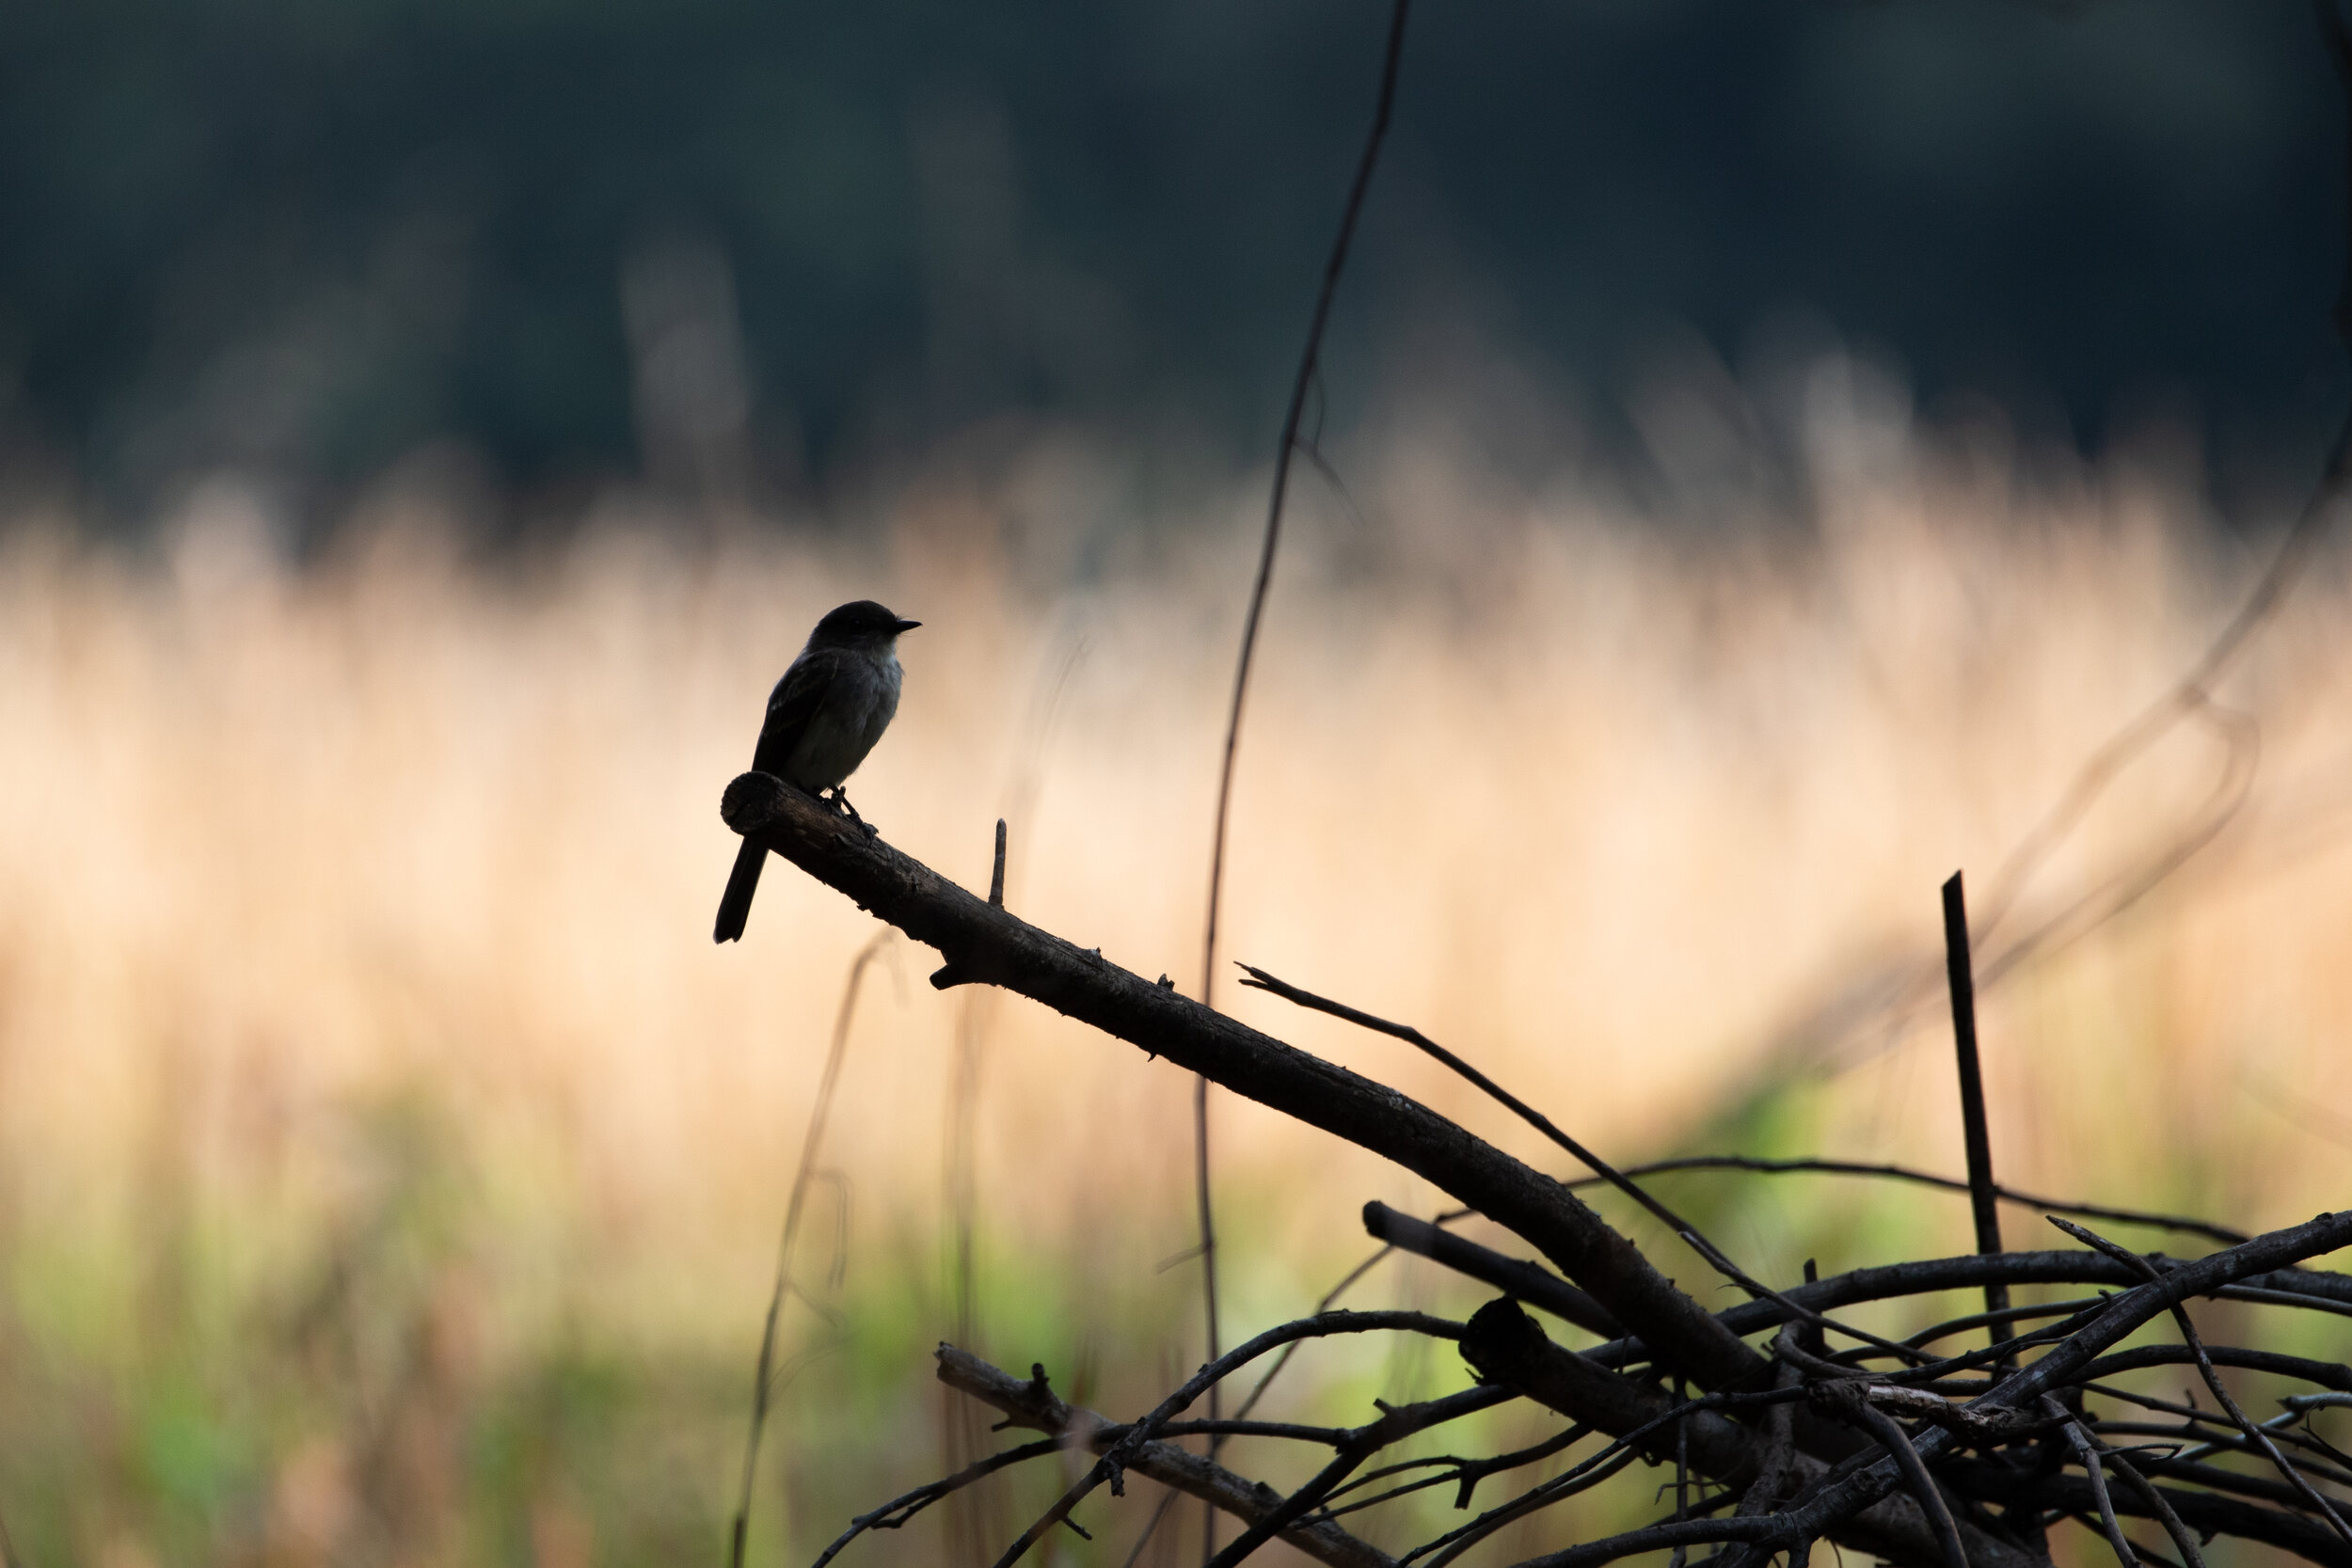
790 706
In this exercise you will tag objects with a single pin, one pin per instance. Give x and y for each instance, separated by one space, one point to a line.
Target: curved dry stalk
764 1377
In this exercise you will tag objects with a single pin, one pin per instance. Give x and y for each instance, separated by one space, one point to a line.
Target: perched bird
833 703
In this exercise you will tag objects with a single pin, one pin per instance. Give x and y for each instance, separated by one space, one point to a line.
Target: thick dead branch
1505 1345
1906 1496
988 945
1029 1402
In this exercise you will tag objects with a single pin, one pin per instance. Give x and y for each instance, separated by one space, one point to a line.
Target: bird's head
859 624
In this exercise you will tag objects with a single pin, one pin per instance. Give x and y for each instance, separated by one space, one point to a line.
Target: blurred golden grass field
390 1166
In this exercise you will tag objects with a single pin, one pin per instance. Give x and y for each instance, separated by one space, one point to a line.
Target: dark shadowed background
733 243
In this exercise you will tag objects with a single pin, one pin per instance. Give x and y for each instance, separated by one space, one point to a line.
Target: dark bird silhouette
823 717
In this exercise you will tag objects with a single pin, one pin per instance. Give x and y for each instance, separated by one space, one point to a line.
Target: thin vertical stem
1974 1129
1680 1555
1309 361
1208 1281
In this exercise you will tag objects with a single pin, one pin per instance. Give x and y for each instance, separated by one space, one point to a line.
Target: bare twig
2184 1538
1583 1477
2007 1316
1834 1501
2198 1434
1903 1173
1658 1537
1204 1209
2254 1433
2328 1375
898 1509
2087 1452
1259 979
1361 1445
1923 1275
1465 1474
2206 1441
1680 1555
1780 1457
1898 1443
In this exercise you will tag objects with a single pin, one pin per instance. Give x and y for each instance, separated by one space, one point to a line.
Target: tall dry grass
389 1164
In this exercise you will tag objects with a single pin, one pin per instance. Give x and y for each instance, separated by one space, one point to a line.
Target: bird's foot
841 799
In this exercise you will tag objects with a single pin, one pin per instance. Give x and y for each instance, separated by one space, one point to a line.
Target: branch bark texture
990 945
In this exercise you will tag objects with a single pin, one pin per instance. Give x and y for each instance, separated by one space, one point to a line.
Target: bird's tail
734 906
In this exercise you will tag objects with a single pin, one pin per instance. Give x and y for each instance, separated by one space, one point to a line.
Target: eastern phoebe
825 716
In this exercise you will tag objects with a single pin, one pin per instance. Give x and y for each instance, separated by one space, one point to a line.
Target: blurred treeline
751 245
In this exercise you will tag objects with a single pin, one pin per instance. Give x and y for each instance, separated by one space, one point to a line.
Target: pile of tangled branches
1786 1425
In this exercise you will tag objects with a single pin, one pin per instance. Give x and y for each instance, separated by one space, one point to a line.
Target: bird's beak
904 626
